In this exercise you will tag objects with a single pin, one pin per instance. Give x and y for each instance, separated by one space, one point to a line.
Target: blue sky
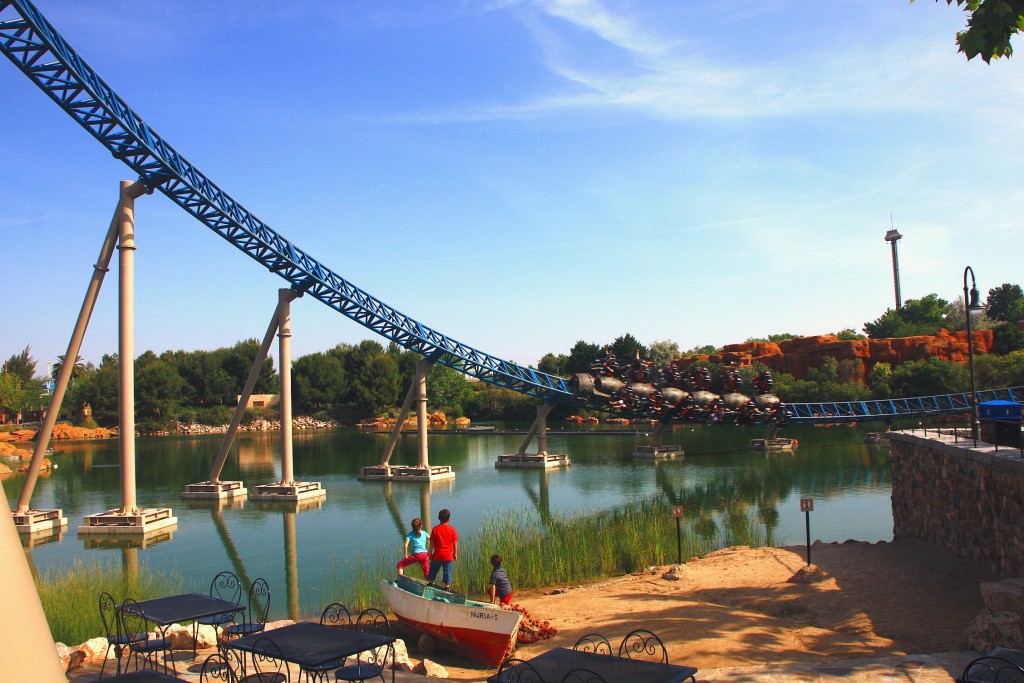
521 174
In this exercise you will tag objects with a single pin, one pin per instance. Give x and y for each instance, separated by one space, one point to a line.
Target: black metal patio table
554 664
311 645
174 609
143 676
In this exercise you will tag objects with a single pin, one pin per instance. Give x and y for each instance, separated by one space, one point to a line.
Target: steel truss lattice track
42 54
896 408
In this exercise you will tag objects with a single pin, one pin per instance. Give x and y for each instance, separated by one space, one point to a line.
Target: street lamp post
972 306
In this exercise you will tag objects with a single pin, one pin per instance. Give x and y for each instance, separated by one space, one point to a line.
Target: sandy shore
871 605
737 607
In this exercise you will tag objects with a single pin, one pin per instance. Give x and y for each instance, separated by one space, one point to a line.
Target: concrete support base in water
127 541
659 452
215 490
216 504
140 523
533 461
291 506
292 492
407 473
39 521
39 538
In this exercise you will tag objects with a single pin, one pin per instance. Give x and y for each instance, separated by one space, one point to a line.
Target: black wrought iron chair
594 642
117 637
514 670
258 606
148 646
372 619
371 663
225 586
267 664
644 645
217 669
992 669
583 676
335 614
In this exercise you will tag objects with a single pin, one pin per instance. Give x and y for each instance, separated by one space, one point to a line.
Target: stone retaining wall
970 500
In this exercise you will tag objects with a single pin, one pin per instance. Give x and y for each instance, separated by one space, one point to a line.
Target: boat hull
777 444
478 631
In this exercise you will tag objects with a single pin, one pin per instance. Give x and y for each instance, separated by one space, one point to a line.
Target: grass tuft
70 595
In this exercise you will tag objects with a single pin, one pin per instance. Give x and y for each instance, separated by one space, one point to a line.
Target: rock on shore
300 422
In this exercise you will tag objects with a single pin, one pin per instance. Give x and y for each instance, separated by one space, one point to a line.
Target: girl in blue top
415 548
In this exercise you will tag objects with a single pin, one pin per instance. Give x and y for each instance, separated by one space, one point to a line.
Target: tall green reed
561 548
70 595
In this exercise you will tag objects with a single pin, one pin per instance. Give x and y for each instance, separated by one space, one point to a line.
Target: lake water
849 481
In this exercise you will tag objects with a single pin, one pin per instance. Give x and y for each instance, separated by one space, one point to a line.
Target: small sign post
807 506
677 512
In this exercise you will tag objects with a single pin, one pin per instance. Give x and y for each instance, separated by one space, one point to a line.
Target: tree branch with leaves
990 25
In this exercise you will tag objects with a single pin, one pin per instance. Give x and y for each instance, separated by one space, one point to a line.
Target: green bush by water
70 596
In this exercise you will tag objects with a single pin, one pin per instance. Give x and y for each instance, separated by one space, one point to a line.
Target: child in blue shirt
415 548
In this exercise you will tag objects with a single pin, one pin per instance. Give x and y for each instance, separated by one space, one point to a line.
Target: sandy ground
737 607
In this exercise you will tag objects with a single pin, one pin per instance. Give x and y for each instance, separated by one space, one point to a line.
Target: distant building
261 400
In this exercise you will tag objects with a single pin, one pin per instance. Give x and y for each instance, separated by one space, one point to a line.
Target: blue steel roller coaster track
42 54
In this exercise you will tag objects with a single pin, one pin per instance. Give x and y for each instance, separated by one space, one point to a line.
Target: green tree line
355 381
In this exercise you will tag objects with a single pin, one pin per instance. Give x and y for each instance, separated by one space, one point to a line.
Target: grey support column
126 351
284 337
421 416
128 189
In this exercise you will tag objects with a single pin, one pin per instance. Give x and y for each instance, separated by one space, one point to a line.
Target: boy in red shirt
444 549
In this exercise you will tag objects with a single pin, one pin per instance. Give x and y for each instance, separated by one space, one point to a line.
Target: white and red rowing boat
478 630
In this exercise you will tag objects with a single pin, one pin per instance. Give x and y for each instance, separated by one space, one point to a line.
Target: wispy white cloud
620 30
618 59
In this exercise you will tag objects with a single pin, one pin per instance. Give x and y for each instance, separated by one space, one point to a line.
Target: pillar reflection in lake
396 515
401 520
291 565
541 498
31 563
225 537
130 569
425 500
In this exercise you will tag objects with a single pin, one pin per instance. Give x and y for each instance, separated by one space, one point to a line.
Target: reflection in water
31 563
396 516
125 541
29 541
228 543
255 456
130 568
291 565
358 522
425 489
541 498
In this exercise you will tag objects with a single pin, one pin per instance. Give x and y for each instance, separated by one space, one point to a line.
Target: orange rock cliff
797 356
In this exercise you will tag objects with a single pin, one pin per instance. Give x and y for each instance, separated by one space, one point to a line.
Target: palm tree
77 370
